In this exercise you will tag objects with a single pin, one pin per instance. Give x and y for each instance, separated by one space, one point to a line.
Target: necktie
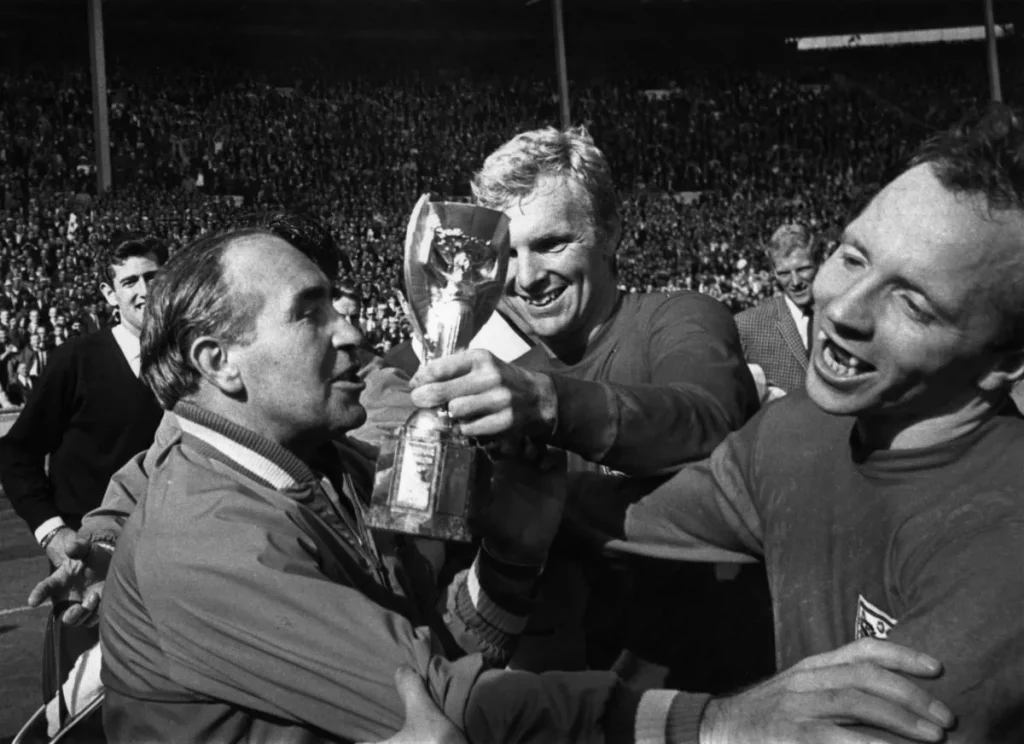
809 341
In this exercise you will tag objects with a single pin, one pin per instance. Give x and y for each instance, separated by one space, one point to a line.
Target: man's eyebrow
941 310
903 281
850 238
550 240
309 296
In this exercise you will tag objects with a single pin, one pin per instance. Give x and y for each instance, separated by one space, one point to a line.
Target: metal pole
994 85
97 63
563 73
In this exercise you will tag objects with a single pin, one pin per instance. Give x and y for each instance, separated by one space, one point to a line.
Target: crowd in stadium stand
708 162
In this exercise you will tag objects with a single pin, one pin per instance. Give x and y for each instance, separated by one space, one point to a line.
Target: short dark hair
986 158
191 298
125 245
346 289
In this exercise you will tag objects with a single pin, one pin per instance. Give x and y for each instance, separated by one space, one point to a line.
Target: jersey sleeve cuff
652 716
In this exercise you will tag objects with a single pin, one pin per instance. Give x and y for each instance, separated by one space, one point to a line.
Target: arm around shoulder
699 390
104 523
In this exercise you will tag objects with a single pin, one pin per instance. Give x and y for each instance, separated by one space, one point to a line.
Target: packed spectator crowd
709 160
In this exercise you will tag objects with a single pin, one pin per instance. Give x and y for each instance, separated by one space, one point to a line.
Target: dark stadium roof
781 16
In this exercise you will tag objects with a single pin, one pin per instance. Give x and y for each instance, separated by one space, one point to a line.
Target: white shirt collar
799 317
130 346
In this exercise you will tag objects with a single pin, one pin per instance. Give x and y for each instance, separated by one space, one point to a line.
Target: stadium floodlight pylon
994 84
561 68
98 67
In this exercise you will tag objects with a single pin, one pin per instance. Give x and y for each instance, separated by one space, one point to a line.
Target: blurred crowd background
710 155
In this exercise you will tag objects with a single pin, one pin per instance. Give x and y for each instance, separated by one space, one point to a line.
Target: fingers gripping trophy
456 259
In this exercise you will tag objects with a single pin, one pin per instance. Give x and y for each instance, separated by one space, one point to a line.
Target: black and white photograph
511 371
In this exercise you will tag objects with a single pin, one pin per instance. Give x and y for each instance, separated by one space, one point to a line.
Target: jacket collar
266 460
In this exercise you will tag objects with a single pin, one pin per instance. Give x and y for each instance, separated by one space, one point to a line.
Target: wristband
48 537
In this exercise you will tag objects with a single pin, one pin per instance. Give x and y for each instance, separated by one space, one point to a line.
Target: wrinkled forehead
556 206
557 192
271 268
950 243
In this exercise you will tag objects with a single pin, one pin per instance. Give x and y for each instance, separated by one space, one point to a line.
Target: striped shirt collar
267 460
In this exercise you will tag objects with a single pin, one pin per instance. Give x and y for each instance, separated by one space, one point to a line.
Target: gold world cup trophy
456 259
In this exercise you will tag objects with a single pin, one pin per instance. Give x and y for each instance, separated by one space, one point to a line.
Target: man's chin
345 421
544 327
834 401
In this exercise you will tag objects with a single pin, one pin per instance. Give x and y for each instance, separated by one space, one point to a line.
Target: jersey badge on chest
871 621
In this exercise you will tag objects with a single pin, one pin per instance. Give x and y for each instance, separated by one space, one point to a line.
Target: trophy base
423 484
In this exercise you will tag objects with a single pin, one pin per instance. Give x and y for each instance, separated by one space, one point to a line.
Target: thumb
419 705
79 549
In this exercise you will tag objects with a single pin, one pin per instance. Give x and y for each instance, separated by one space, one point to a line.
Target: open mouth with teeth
840 362
543 300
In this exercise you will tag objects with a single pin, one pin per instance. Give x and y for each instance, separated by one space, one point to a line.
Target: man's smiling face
903 325
559 274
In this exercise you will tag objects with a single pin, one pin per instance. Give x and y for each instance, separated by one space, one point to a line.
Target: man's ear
1007 371
213 362
108 294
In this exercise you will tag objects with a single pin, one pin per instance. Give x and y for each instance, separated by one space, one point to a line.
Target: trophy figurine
456 258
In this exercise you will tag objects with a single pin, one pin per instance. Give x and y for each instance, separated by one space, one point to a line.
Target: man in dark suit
87 411
91 319
776 333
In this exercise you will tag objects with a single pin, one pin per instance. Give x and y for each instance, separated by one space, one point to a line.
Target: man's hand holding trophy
432 480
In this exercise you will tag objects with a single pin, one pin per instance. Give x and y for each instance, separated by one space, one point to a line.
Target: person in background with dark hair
776 333
88 412
347 302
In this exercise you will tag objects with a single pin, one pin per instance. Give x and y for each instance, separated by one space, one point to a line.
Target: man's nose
849 311
526 268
